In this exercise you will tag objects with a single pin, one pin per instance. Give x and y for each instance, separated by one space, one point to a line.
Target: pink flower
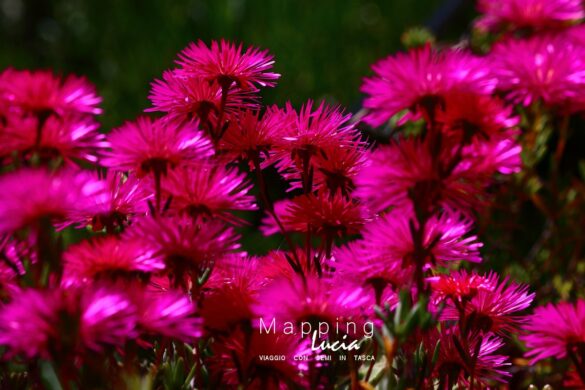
461 285
548 68
124 198
406 168
494 308
148 145
108 258
30 195
418 80
309 134
170 314
252 136
554 329
231 292
226 64
69 137
357 262
535 14
315 300
475 118
106 317
185 98
187 246
235 360
39 323
446 237
327 216
41 92
209 189
489 366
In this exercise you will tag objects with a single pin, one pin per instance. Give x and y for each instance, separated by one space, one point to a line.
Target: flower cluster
379 254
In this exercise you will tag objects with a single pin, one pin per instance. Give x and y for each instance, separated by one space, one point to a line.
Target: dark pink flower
406 168
326 216
227 64
252 136
108 258
475 118
535 14
187 246
41 92
446 237
554 330
123 198
548 68
495 308
359 264
314 300
148 145
235 360
30 195
208 189
418 80
231 292
309 134
460 285
489 365
170 314
185 97
39 323
69 137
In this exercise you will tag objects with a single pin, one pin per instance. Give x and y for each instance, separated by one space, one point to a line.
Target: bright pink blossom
535 14
148 145
418 80
227 64
554 329
41 92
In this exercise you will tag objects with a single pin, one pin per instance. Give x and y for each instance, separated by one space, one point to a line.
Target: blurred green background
323 48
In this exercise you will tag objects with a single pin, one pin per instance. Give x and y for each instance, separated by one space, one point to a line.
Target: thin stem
157 190
578 364
265 198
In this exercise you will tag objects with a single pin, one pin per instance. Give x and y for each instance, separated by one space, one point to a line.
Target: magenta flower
147 145
227 64
251 136
310 133
231 292
315 300
554 330
109 257
123 198
358 263
535 14
71 138
327 216
451 366
170 314
418 80
185 245
39 323
31 195
41 93
548 68
446 237
495 308
461 285
406 168
475 118
106 317
235 360
185 98
209 189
